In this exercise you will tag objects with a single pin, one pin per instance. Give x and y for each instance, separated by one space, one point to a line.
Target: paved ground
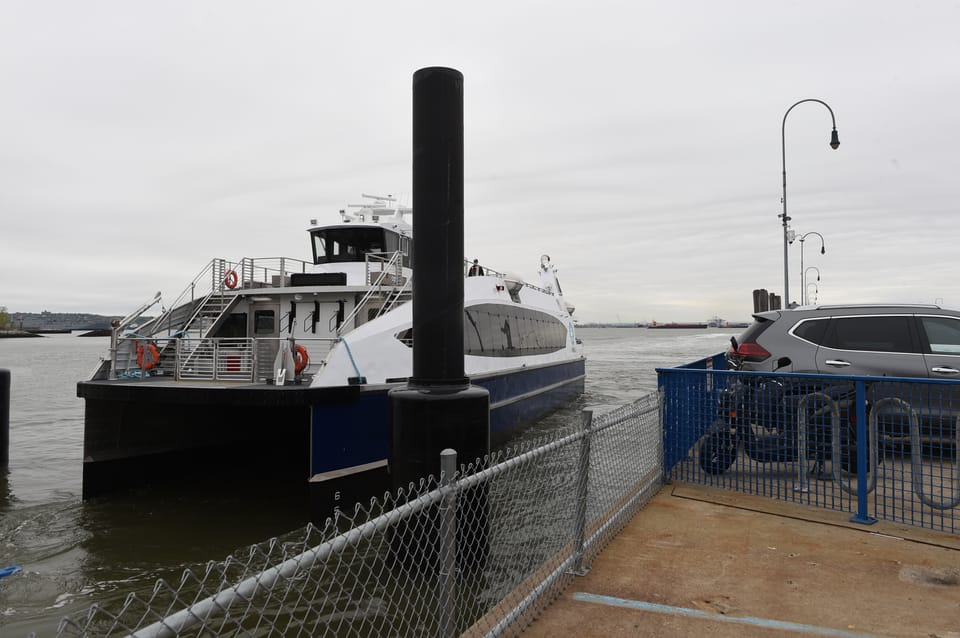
702 562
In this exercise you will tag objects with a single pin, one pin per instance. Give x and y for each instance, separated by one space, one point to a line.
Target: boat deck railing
198 308
388 286
212 285
490 272
210 359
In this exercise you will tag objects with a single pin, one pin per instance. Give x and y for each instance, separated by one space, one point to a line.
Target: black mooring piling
438 226
4 417
438 409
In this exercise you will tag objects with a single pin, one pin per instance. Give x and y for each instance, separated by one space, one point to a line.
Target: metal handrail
376 286
490 272
210 281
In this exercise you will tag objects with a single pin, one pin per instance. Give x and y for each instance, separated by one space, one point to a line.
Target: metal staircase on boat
388 289
180 332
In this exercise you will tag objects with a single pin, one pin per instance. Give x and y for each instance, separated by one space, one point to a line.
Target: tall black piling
4 418
439 409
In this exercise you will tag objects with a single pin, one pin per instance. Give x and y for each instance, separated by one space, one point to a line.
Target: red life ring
147 356
300 359
230 279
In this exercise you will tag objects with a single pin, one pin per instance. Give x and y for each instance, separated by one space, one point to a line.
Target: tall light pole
804 284
834 143
803 276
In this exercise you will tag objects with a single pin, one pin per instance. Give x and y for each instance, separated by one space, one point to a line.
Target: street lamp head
823 250
834 140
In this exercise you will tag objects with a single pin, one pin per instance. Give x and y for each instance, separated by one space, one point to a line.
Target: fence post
580 507
448 544
862 443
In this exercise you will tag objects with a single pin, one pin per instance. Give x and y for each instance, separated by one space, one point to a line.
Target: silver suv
911 341
873 340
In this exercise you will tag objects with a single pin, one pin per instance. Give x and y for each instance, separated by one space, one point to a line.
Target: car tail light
751 352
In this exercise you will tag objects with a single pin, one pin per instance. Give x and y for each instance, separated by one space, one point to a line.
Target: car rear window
871 334
755 330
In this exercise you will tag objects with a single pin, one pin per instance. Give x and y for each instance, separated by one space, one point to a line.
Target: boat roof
380 212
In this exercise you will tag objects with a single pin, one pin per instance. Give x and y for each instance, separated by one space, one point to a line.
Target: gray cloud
636 143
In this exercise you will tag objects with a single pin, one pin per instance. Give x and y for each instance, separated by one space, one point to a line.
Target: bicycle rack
916 461
802 433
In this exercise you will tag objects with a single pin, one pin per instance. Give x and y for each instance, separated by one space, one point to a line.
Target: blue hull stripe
351 433
533 393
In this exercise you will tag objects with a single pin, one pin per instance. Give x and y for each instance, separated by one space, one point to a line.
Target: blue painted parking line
697 613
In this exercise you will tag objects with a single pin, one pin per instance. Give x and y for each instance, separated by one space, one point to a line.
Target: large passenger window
497 331
943 334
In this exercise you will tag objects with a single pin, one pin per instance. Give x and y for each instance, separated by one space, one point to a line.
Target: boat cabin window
233 327
264 322
495 331
341 244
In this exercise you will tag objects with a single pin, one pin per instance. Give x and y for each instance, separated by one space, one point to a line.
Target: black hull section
141 434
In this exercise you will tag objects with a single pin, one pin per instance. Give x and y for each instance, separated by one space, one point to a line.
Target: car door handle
837 363
940 370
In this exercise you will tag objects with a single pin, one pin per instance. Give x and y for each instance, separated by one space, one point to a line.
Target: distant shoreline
14 334
21 334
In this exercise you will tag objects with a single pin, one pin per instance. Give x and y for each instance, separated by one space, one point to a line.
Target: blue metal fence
876 447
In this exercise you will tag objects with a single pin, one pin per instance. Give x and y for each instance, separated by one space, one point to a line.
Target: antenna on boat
381 206
379 198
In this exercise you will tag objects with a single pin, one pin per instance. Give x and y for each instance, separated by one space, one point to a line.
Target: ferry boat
282 364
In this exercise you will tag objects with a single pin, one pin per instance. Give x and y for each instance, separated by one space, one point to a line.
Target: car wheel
718 451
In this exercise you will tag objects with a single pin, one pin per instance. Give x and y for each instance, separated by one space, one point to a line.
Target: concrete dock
698 561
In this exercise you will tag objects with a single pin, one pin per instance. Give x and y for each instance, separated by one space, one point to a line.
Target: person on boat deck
476 270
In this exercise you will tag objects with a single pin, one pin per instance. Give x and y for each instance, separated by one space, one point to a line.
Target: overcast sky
637 143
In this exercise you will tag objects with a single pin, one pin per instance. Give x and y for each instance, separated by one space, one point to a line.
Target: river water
74 553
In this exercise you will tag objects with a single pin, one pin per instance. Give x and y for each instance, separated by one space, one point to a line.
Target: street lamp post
803 276
804 284
834 143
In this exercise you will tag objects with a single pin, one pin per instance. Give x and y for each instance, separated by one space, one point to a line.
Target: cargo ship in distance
673 324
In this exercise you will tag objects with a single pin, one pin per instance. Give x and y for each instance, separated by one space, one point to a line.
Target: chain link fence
479 552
